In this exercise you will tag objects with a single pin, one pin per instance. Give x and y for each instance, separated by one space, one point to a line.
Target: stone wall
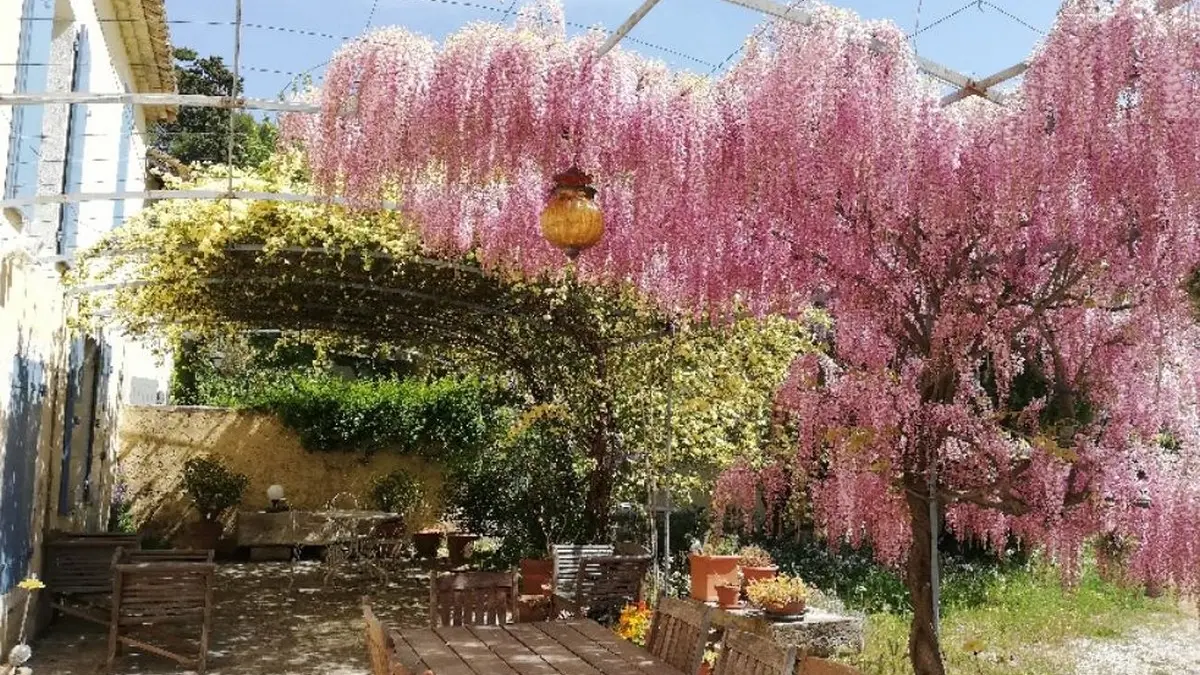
155 442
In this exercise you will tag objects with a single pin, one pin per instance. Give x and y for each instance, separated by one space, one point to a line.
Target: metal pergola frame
964 87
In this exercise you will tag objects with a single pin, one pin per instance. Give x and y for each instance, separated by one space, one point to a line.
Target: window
68 216
25 138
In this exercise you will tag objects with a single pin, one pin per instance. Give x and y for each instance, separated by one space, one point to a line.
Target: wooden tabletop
578 647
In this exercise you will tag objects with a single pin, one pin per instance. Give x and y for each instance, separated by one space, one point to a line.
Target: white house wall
35 341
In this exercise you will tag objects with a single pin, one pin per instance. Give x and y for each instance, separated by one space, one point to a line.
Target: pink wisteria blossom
1012 334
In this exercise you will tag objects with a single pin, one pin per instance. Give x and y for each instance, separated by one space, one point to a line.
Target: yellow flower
32 584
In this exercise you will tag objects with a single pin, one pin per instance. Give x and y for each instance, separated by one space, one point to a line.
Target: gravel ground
270 622
1170 647
263 624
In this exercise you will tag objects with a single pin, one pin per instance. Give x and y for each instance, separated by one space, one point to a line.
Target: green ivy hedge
441 419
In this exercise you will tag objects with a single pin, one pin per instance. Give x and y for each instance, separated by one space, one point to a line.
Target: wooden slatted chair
380 646
679 633
566 563
161 593
744 653
603 585
472 599
164 555
79 575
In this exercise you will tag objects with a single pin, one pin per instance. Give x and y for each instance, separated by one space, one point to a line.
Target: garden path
1167 647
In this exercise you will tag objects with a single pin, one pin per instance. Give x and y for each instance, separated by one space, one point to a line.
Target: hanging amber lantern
571 220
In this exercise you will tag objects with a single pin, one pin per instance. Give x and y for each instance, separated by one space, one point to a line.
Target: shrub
755 556
448 419
396 492
717 544
527 490
214 487
781 590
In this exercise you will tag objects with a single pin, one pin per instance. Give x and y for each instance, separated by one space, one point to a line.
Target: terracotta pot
535 576
790 609
460 546
708 572
705 669
426 543
751 574
729 595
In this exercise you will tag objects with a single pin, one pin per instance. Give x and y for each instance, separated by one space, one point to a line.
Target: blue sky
285 37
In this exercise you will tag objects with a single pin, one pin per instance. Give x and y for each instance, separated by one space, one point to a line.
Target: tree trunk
923 648
601 449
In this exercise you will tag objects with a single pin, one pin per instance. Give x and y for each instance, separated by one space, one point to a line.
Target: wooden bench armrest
560 603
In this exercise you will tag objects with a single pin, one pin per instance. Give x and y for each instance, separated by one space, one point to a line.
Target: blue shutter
68 216
74 382
123 164
25 138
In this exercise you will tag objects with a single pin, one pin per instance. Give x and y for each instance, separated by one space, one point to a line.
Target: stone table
276 535
821 632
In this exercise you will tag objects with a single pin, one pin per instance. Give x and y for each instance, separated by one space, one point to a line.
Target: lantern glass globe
275 493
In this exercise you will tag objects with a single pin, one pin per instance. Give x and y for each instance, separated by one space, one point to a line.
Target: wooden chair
472 599
163 592
79 574
124 555
605 584
566 563
748 654
380 646
679 633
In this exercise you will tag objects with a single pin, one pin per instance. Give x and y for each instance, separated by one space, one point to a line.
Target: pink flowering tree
1013 342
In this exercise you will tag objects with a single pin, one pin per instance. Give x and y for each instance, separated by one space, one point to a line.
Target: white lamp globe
275 493
19 654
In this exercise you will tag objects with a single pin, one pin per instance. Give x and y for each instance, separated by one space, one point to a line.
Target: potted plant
716 563
781 596
536 574
426 542
215 489
397 492
459 544
756 564
729 594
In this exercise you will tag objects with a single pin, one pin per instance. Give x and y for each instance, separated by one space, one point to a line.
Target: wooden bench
161 592
79 574
604 585
566 564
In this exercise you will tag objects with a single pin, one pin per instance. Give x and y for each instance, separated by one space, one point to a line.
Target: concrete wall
156 441
35 341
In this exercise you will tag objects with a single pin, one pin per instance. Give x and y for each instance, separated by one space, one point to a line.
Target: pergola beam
194 100
73 197
804 18
623 30
983 87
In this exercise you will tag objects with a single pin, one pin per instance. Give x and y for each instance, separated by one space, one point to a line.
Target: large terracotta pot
729 595
705 669
426 543
535 576
708 572
460 546
752 574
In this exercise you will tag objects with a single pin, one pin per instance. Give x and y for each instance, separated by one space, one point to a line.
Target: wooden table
578 647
